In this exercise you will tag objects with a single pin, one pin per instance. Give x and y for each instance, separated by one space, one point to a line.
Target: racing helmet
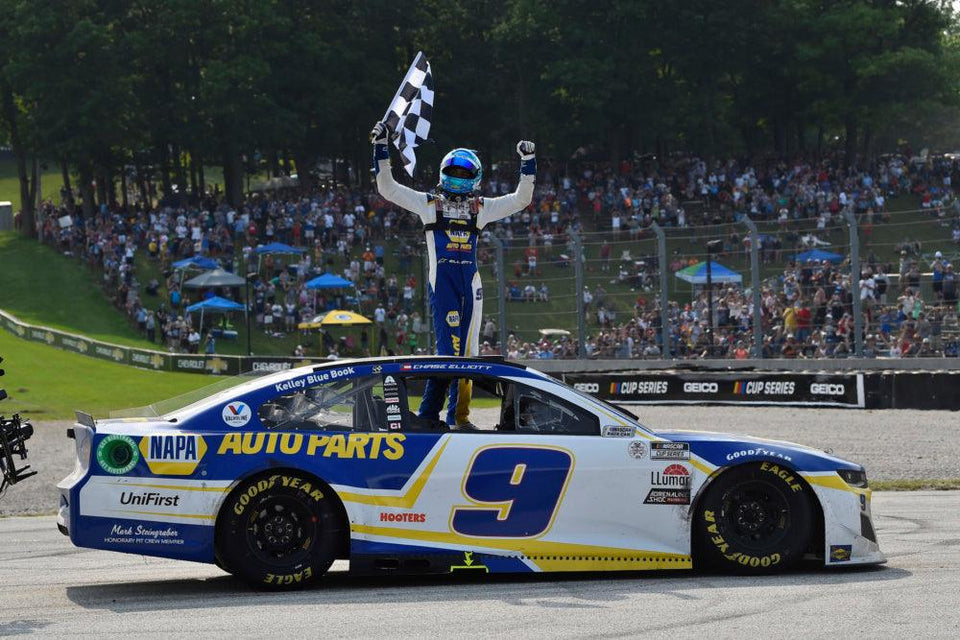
460 172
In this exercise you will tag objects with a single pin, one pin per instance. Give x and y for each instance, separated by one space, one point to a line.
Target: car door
555 483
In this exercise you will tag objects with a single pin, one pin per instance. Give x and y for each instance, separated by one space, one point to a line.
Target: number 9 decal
516 491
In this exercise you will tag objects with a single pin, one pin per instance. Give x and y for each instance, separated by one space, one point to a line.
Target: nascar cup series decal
236 414
117 454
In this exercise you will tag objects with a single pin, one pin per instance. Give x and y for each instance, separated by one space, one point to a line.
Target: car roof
260 382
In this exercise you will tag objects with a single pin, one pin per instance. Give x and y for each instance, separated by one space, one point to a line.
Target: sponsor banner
101 350
13 326
149 359
216 365
828 390
40 334
273 365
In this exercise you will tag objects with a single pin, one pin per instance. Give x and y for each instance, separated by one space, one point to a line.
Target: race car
276 477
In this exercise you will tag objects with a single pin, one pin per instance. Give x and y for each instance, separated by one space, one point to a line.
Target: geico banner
799 389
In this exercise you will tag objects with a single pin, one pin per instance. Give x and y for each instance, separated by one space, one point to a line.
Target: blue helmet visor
459 167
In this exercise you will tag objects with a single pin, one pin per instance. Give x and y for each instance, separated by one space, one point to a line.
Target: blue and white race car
276 477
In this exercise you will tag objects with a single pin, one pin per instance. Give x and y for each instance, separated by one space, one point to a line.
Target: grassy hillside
45 382
40 286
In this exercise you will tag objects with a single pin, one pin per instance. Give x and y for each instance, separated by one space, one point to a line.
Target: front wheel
279 530
757 518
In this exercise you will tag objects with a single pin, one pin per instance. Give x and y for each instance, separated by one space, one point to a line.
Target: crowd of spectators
353 233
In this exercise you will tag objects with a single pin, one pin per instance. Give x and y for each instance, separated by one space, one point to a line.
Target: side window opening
503 406
344 405
539 412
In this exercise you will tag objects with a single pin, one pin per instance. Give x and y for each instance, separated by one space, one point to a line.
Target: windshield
176 403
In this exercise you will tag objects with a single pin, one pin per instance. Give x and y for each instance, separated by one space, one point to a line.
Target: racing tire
279 530
754 519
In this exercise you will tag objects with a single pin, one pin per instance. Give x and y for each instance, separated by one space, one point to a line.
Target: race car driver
453 216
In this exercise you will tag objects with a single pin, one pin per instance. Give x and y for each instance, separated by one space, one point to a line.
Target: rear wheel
279 530
757 518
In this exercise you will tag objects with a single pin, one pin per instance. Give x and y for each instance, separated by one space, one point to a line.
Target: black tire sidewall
232 545
716 548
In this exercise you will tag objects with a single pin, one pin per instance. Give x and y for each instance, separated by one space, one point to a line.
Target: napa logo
453 319
173 455
456 235
236 414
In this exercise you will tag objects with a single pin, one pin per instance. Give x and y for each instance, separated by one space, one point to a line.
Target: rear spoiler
86 419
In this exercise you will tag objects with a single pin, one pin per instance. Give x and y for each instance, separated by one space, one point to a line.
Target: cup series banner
797 389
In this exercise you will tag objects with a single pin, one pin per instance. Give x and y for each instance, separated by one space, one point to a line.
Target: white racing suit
452 225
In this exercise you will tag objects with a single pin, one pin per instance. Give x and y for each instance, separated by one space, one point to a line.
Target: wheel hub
755 514
750 516
280 530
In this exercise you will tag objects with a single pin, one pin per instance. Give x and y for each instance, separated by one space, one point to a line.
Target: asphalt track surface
51 589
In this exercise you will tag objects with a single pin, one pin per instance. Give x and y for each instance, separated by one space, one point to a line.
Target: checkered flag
411 111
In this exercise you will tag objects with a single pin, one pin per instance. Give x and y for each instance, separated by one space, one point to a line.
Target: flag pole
413 67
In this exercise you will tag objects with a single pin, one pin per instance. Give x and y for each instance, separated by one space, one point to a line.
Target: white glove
526 149
379 133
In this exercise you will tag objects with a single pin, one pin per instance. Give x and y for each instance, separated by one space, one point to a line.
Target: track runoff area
52 589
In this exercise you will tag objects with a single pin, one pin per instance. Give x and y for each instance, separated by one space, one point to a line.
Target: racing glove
528 161
379 133
380 136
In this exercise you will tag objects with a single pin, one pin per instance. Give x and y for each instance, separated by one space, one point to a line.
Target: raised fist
379 133
525 148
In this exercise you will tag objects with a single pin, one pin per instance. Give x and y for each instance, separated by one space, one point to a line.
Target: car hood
723 449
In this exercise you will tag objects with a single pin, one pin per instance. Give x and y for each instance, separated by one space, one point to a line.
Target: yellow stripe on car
548 556
405 501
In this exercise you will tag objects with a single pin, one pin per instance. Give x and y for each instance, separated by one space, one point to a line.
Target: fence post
665 351
855 282
500 247
578 276
755 285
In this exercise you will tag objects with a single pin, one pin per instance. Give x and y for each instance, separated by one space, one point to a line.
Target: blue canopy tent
275 247
328 281
818 256
195 262
697 274
216 304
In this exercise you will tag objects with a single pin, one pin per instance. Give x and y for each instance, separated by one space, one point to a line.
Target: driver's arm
416 202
